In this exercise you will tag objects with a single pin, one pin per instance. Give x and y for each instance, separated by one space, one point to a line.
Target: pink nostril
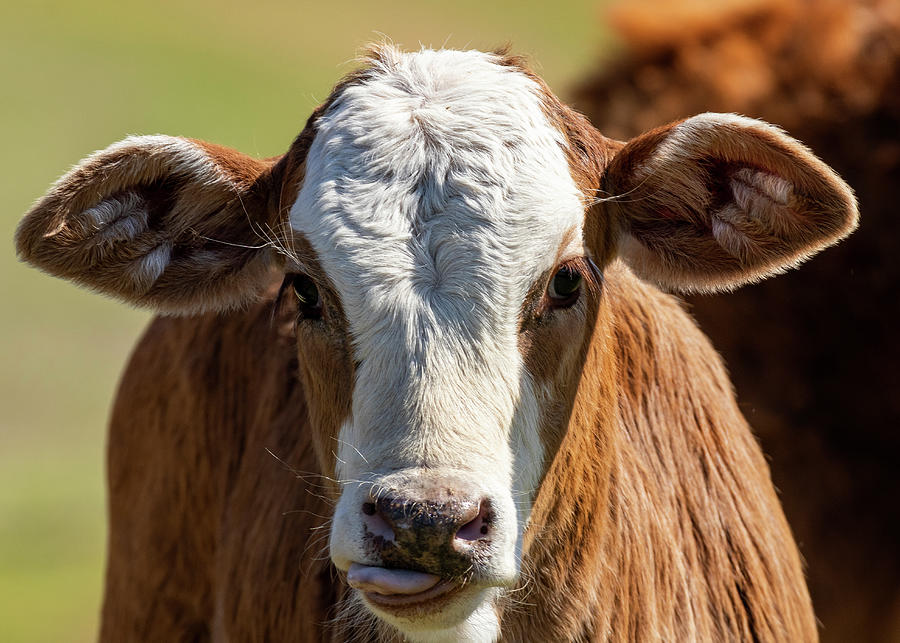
476 529
376 525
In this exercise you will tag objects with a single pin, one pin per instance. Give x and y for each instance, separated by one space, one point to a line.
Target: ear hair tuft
138 221
719 200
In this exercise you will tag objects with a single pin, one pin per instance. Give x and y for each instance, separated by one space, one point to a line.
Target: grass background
76 76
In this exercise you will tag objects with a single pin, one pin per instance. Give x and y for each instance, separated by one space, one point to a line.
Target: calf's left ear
718 200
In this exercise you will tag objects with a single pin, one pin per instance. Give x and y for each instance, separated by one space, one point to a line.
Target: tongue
389 581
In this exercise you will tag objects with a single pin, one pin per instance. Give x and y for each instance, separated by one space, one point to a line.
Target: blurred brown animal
813 354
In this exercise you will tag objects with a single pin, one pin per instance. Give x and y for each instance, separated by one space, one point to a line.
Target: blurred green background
77 76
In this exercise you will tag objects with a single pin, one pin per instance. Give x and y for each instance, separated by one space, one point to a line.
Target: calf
463 381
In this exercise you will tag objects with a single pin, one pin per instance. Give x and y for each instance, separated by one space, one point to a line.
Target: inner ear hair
178 225
718 200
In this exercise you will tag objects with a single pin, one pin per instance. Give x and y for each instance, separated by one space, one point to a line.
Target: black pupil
566 282
307 294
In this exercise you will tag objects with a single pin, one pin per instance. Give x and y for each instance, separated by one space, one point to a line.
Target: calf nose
434 536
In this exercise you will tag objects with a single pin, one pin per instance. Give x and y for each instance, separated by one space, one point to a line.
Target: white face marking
436 194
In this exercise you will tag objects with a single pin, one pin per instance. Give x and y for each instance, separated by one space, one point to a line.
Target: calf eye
308 299
565 287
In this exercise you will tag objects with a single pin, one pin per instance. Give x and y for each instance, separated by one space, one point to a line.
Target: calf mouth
402 592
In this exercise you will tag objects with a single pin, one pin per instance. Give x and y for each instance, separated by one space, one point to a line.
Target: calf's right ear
176 225
718 200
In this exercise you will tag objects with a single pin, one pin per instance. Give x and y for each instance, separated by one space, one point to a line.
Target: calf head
442 225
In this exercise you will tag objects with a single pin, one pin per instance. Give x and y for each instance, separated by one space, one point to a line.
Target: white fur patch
146 270
482 626
749 181
436 194
120 218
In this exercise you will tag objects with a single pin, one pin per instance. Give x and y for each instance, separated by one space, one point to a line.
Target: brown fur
326 369
210 529
655 518
813 353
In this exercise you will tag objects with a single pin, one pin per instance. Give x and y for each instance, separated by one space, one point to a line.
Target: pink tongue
389 581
